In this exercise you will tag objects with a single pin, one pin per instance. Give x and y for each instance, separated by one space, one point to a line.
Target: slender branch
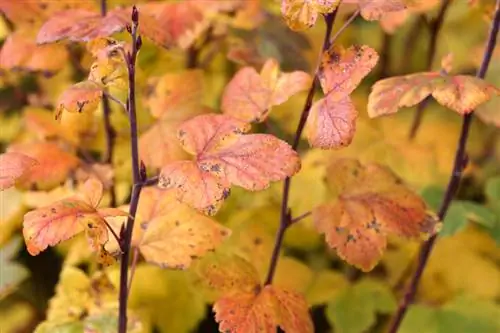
117 238
126 235
453 184
116 100
385 55
346 24
300 217
150 181
435 27
285 218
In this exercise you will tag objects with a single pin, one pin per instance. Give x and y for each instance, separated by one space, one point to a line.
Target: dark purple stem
453 184
285 217
435 28
126 236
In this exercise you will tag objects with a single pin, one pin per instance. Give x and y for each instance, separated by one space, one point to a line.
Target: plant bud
135 15
138 42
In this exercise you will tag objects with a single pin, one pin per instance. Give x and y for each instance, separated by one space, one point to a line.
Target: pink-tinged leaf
249 96
224 156
195 185
81 97
342 70
111 212
461 93
53 166
331 122
85 25
48 226
372 10
20 52
12 167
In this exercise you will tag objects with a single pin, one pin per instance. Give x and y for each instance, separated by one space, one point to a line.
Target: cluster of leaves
209 222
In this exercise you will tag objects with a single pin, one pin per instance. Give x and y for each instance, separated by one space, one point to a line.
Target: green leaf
354 309
492 192
461 212
11 273
462 315
59 327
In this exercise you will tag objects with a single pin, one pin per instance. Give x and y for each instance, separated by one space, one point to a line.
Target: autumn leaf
53 166
225 156
82 25
175 234
21 52
249 96
81 97
373 10
461 93
302 14
57 222
13 166
247 306
331 122
342 70
371 203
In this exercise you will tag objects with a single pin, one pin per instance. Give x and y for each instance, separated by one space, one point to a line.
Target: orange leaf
84 25
250 96
48 226
177 234
20 52
12 167
461 93
176 96
331 122
224 156
41 122
302 14
53 166
371 203
263 311
342 70
81 97
373 10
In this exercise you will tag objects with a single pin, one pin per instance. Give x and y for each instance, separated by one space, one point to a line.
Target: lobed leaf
224 156
81 97
302 14
263 311
342 70
331 122
371 203
83 25
249 96
177 234
13 166
53 165
461 93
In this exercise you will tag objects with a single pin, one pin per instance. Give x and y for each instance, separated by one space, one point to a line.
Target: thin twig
117 238
300 217
342 28
285 218
435 27
453 184
150 181
116 100
126 236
